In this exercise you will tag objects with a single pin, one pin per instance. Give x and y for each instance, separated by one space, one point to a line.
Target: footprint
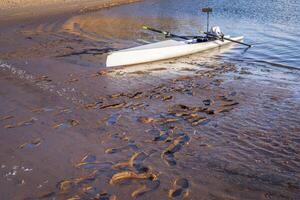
31 144
131 145
89 161
163 136
66 185
181 182
168 153
175 192
180 188
114 150
106 196
135 162
147 187
129 175
61 126
22 123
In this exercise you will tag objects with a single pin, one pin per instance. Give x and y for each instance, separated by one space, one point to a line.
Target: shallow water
272 26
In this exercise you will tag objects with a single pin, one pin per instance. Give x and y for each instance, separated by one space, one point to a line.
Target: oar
166 33
224 38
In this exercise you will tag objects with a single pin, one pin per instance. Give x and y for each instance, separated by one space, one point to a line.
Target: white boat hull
161 51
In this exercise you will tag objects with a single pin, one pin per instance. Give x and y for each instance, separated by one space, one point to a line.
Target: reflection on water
272 26
125 31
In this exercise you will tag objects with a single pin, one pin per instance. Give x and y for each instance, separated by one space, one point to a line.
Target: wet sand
186 128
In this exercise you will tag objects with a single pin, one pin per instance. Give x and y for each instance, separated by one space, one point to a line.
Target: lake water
271 25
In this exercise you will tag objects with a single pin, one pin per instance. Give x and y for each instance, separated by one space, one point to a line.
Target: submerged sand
188 128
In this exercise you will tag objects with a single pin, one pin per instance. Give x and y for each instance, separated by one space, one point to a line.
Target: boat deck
162 44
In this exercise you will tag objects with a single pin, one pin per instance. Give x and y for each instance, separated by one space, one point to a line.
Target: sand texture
11 10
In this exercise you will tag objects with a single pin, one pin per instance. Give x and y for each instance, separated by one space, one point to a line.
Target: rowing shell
161 50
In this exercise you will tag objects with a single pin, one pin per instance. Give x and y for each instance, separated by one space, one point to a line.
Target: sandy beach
187 128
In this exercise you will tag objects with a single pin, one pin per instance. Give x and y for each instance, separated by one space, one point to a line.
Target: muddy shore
22 10
187 128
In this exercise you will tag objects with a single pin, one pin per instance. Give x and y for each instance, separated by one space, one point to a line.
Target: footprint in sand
90 162
135 170
67 185
30 145
180 188
22 123
135 163
168 153
69 124
87 162
147 187
131 145
106 196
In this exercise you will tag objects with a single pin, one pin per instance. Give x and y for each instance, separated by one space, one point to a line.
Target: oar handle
218 37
